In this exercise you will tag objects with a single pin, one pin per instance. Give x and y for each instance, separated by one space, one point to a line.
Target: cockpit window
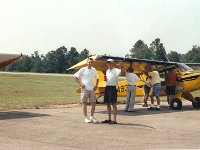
184 67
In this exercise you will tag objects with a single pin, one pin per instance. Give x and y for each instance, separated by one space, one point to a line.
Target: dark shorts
170 90
110 95
146 89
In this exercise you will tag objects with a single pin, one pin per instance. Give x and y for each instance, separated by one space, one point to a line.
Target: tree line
156 51
57 61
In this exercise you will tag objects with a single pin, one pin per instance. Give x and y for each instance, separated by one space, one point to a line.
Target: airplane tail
8 58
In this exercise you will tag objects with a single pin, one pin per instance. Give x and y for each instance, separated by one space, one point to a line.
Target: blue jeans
156 89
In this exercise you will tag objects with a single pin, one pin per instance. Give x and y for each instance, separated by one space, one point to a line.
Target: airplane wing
140 65
8 58
195 66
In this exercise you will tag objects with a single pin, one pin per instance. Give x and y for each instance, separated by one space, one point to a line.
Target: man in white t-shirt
110 94
85 78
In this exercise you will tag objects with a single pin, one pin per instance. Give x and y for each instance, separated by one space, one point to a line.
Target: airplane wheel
176 104
196 105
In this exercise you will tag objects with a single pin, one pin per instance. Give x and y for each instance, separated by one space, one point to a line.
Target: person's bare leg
146 96
85 109
114 112
93 108
158 101
168 99
109 111
152 101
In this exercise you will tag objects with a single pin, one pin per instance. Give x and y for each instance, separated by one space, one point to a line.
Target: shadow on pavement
17 115
126 124
131 124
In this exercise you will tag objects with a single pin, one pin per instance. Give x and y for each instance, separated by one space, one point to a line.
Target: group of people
85 78
154 81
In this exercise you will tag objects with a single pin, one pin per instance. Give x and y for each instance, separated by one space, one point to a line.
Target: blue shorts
156 89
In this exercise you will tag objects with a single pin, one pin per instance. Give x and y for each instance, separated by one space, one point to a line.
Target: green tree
192 56
140 50
24 65
12 66
158 48
73 56
83 55
37 62
56 61
174 56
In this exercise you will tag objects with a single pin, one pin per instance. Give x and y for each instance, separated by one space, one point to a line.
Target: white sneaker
93 119
87 120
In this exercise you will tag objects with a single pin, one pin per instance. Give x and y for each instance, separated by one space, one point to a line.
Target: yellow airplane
7 58
189 80
195 66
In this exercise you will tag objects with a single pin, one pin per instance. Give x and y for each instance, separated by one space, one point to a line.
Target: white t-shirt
112 76
155 78
148 82
87 77
131 78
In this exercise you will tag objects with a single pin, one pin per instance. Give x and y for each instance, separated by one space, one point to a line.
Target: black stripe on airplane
153 62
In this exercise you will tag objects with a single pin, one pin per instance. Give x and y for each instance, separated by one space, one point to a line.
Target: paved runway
64 128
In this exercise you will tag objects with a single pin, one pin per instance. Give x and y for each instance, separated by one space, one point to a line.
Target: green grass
30 91
22 91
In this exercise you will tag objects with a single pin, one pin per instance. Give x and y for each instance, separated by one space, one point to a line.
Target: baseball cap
110 60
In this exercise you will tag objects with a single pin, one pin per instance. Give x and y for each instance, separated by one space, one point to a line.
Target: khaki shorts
88 96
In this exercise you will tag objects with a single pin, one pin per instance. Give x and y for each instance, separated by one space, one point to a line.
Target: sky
109 27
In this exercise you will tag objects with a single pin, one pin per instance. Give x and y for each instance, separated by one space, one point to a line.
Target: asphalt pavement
64 128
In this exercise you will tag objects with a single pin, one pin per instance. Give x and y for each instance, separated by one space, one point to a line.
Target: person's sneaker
93 119
150 108
106 121
113 122
87 120
144 105
156 108
131 111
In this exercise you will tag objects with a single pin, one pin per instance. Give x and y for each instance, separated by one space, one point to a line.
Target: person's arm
97 82
178 77
79 82
149 75
136 78
123 71
120 66
77 78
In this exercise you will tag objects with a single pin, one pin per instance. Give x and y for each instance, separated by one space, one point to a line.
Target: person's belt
156 84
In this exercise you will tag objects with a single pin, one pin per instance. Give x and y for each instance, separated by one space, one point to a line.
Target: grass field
33 90
22 91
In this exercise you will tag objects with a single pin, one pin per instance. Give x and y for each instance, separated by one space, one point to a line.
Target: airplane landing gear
197 104
176 104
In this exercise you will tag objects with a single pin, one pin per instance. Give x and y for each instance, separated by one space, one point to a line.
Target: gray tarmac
64 128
